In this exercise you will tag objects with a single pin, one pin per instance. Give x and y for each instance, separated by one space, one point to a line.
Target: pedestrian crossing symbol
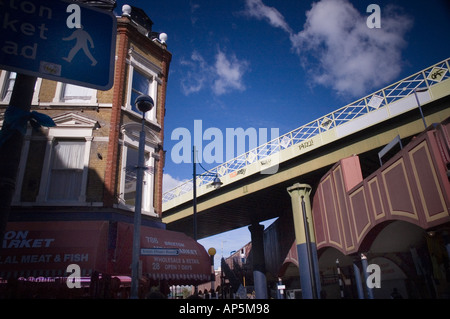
83 38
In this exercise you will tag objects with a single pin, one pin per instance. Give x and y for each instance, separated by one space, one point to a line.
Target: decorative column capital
300 189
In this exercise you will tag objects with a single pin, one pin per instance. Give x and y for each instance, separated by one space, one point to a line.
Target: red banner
45 249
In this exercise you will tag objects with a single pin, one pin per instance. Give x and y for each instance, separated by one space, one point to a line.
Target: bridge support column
306 240
259 266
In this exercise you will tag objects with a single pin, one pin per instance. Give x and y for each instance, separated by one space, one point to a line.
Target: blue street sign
160 252
58 40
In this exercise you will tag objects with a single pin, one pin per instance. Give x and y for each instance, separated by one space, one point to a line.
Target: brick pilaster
118 96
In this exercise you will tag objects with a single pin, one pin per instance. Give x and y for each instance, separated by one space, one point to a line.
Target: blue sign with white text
58 40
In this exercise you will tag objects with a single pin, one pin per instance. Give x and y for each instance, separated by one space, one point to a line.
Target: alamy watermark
373 20
214 146
74 279
374 278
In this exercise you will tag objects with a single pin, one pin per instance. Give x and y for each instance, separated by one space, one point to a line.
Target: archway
329 261
412 260
289 274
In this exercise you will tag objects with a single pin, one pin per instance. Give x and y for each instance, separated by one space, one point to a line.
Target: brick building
100 127
78 179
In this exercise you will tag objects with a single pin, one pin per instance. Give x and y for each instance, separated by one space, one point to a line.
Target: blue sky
281 64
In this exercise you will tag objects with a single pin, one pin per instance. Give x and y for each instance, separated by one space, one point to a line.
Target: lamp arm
211 173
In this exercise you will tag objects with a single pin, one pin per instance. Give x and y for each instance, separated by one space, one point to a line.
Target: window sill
139 117
131 209
71 104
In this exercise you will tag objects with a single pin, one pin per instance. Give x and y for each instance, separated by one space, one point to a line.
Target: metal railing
424 79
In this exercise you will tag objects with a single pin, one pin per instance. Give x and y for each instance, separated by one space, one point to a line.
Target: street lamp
216 183
418 103
144 103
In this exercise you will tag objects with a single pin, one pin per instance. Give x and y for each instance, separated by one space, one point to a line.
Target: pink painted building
397 217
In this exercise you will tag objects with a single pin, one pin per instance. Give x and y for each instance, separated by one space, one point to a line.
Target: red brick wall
118 95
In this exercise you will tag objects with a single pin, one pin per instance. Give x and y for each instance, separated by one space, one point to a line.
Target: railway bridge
361 175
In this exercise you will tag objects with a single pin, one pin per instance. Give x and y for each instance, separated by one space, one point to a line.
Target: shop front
91 259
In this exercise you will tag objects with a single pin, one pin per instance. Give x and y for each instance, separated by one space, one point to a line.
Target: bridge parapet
372 109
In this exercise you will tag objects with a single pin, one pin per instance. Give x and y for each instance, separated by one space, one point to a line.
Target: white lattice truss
375 102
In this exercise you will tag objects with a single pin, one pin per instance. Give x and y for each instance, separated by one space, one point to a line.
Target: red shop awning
191 264
46 249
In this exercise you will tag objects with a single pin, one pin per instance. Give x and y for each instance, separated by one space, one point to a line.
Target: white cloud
229 73
196 74
225 75
194 7
343 53
170 182
339 50
257 9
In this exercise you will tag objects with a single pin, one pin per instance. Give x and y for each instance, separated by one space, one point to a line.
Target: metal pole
222 290
420 109
364 269
359 287
308 249
213 276
194 199
341 283
194 181
280 289
134 293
